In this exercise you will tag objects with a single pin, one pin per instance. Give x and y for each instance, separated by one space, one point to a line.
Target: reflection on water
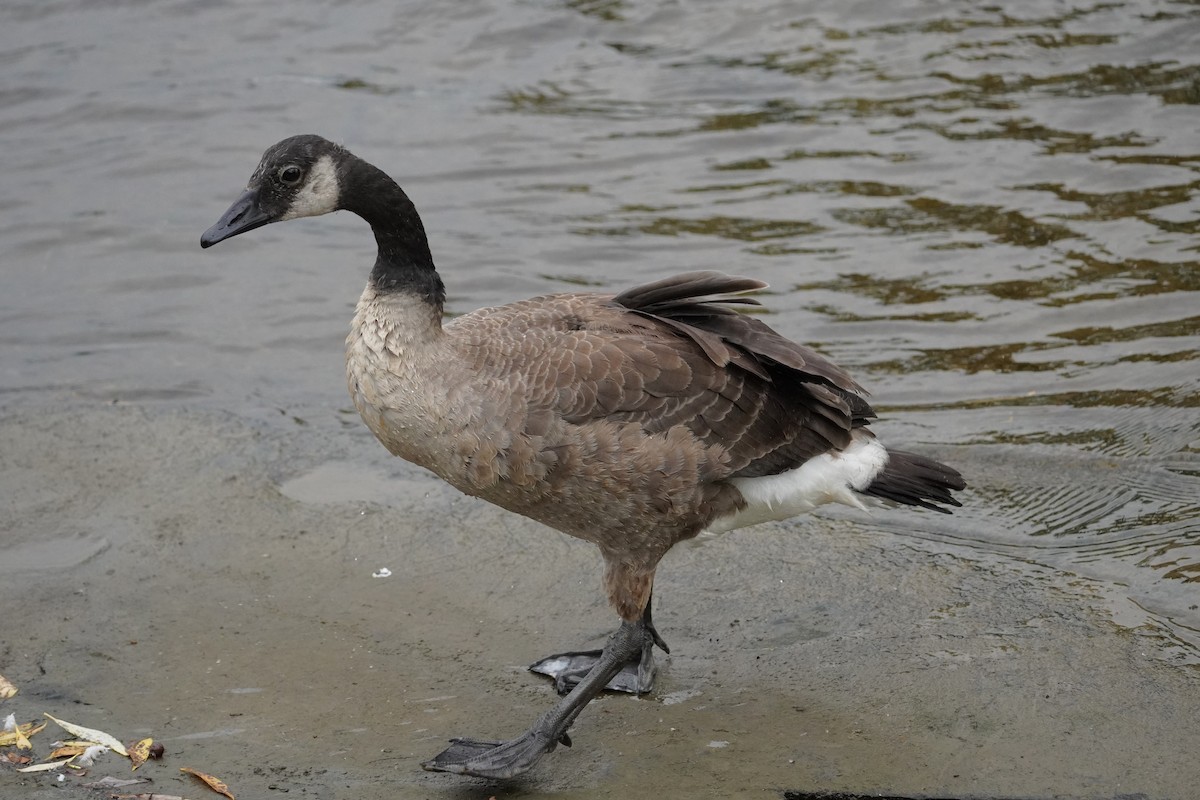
989 212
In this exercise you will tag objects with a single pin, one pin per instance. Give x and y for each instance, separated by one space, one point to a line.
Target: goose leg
635 677
488 759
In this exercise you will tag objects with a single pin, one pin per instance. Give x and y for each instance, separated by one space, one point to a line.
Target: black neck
404 263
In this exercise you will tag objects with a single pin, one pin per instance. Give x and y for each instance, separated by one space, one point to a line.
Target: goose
634 421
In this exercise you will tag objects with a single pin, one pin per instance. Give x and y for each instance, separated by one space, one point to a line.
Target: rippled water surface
988 212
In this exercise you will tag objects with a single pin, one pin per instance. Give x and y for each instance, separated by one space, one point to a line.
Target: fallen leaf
16 758
99 737
68 751
7 689
44 767
216 784
22 739
140 752
114 783
27 729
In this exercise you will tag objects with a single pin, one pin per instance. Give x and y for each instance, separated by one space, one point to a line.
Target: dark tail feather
914 480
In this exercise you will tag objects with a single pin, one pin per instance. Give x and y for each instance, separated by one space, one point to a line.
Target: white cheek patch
319 194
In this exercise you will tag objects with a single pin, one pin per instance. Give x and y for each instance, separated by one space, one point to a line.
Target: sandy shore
207 580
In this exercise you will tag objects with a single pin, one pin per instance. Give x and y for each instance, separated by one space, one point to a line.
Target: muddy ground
207 580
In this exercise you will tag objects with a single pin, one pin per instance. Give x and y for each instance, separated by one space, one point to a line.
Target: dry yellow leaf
69 751
140 752
44 767
216 784
7 689
111 783
22 740
91 735
23 731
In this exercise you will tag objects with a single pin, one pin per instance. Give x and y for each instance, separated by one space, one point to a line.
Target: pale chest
396 373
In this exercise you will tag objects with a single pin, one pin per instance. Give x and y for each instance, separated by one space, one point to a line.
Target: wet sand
172 573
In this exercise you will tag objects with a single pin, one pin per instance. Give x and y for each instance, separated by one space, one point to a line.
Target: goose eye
290 174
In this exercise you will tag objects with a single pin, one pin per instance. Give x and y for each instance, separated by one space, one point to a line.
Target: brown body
576 411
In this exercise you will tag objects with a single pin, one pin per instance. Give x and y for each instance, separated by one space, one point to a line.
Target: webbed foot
568 669
488 759
636 675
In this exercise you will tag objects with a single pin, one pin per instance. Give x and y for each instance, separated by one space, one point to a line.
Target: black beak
244 215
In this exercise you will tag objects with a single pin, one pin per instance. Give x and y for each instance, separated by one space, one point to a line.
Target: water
987 212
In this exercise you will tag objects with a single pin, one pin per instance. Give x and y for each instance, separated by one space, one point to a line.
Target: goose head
298 177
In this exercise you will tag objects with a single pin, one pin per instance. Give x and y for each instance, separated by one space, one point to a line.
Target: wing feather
670 354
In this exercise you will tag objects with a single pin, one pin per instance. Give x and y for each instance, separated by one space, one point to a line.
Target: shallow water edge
244 630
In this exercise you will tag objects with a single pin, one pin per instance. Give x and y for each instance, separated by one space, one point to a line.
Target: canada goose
633 421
